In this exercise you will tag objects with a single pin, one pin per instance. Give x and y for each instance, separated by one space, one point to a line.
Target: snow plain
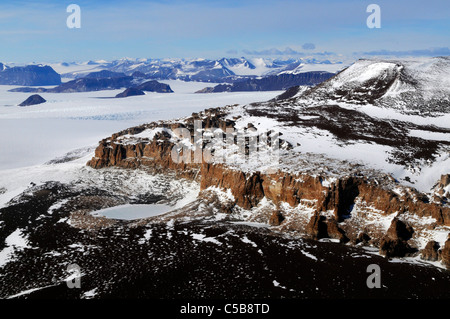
36 134
32 136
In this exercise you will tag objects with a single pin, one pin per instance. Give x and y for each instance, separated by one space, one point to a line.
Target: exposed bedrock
395 242
431 251
249 188
333 200
444 254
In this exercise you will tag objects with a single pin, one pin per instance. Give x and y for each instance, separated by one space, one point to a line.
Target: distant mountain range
240 73
224 70
272 82
98 81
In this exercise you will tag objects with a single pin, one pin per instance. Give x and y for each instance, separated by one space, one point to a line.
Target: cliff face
29 75
333 202
155 154
249 189
339 197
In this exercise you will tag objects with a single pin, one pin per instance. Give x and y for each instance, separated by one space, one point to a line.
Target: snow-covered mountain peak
414 85
364 71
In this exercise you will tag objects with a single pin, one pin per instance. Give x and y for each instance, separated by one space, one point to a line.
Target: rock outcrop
442 185
431 251
333 201
317 228
395 242
33 100
130 92
444 254
272 83
154 86
399 230
321 227
335 232
248 188
95 83
362 238
32 75
276 218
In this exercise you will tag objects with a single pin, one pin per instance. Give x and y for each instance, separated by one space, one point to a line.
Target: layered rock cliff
342 207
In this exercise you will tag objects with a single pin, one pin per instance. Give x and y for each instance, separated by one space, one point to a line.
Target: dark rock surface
350 125
395 242
399 230
154 86
431 251
276 218
120 261
33 100
272 83
317 228
94 83
444 254
130 92
84 85
32 75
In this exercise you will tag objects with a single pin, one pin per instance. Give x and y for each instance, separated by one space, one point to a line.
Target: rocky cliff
29 75
344 208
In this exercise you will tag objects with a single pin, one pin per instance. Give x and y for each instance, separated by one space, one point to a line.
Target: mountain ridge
415 86
32 75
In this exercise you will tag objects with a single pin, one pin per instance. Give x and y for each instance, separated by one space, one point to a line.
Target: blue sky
35 30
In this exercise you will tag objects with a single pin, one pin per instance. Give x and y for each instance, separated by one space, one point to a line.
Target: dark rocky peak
272 83
32 75
33 100
154 86
130 92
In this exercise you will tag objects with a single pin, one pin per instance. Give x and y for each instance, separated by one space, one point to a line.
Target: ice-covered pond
132 212
139 211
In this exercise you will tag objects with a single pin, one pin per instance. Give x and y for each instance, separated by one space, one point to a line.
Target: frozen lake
132 212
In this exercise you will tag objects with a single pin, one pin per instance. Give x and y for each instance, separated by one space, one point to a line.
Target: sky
36 30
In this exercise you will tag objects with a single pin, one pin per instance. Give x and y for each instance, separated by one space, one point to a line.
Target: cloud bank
415 53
